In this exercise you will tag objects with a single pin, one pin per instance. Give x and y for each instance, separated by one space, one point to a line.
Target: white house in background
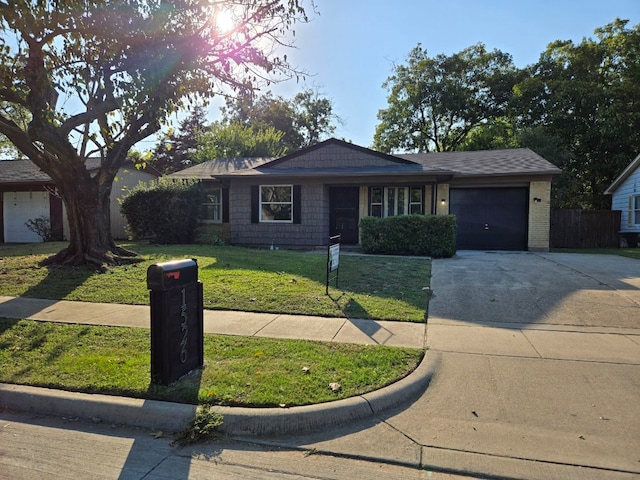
625 192
26 193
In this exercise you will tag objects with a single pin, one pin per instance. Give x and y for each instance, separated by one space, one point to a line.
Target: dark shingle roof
513 161
220 166
489 163
26 172
21 171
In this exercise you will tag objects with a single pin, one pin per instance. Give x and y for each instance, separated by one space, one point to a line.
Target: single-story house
501 197
26 193
625 193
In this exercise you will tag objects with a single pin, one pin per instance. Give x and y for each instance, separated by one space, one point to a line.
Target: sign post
177 337
333 260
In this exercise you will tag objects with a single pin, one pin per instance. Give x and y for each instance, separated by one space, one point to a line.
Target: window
213 206
636 210
392 201
376 201
415 201
276 203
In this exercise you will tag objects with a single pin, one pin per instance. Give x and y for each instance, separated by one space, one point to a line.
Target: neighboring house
27 193
625 192
501 198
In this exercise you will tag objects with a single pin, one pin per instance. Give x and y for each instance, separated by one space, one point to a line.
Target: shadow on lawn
360 275
59 282
6 324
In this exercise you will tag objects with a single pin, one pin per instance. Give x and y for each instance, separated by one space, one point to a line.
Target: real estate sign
333 260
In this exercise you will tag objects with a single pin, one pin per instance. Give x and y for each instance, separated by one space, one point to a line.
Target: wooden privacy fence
584 228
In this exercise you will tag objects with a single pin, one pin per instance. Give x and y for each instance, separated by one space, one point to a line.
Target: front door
343 216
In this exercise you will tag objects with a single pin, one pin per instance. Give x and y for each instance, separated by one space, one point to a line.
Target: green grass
623 252
375 287
238 370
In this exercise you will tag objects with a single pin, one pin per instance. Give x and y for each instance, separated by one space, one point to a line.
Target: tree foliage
587 96
434 103
98 76
304 120
237 140
176 149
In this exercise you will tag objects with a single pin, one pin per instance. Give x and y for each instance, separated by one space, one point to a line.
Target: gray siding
312 231
333 156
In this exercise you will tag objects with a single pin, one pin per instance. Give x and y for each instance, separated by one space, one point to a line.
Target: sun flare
224 21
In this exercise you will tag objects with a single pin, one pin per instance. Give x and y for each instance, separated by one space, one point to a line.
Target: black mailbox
176 319
176 273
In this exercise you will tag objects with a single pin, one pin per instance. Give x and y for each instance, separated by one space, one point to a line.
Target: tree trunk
87 202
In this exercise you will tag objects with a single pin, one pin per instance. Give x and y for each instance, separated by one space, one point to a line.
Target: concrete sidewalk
223 322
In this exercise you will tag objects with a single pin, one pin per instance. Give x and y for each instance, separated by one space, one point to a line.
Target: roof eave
255 174
623 176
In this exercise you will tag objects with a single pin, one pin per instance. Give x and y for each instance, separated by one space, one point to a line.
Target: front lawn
234 278
257 372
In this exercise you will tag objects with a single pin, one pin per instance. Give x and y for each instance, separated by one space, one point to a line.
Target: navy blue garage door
490 218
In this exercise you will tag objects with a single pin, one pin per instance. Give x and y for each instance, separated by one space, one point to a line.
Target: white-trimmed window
392 201
635 210
276 203
213 206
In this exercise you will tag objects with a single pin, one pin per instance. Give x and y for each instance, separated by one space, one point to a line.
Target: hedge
165 211
427 235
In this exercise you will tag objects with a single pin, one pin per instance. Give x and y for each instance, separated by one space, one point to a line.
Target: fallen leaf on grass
335 386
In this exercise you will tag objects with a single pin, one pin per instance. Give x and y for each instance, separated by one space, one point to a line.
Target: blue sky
350 47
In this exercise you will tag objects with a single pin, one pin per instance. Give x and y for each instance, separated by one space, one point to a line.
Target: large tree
236 140
176 148
98 76
434 103
587 96
304 120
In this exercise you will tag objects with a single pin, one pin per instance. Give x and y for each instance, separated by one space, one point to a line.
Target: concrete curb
255 422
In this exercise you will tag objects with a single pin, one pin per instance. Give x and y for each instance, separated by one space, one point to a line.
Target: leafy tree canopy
236 140
176 149
434 103
304 120
587 95
98 76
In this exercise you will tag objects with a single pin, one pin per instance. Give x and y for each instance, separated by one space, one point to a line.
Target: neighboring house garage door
18 207
490 218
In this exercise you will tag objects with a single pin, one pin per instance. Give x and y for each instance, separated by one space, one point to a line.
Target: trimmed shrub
429 235
163 211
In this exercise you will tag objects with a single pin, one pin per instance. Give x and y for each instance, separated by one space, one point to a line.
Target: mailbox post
177 340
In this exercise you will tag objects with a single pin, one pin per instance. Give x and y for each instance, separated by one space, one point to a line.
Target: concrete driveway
540 359
538 371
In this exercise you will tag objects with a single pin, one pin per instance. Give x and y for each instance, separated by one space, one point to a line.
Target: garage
18 207
490 218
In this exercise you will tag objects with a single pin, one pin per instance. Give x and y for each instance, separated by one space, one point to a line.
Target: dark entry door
490 218
343 216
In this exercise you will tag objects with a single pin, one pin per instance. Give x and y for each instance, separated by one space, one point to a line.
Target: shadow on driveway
490 288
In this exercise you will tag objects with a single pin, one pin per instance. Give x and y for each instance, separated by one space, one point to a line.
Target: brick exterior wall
313 229
539 216
442 192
